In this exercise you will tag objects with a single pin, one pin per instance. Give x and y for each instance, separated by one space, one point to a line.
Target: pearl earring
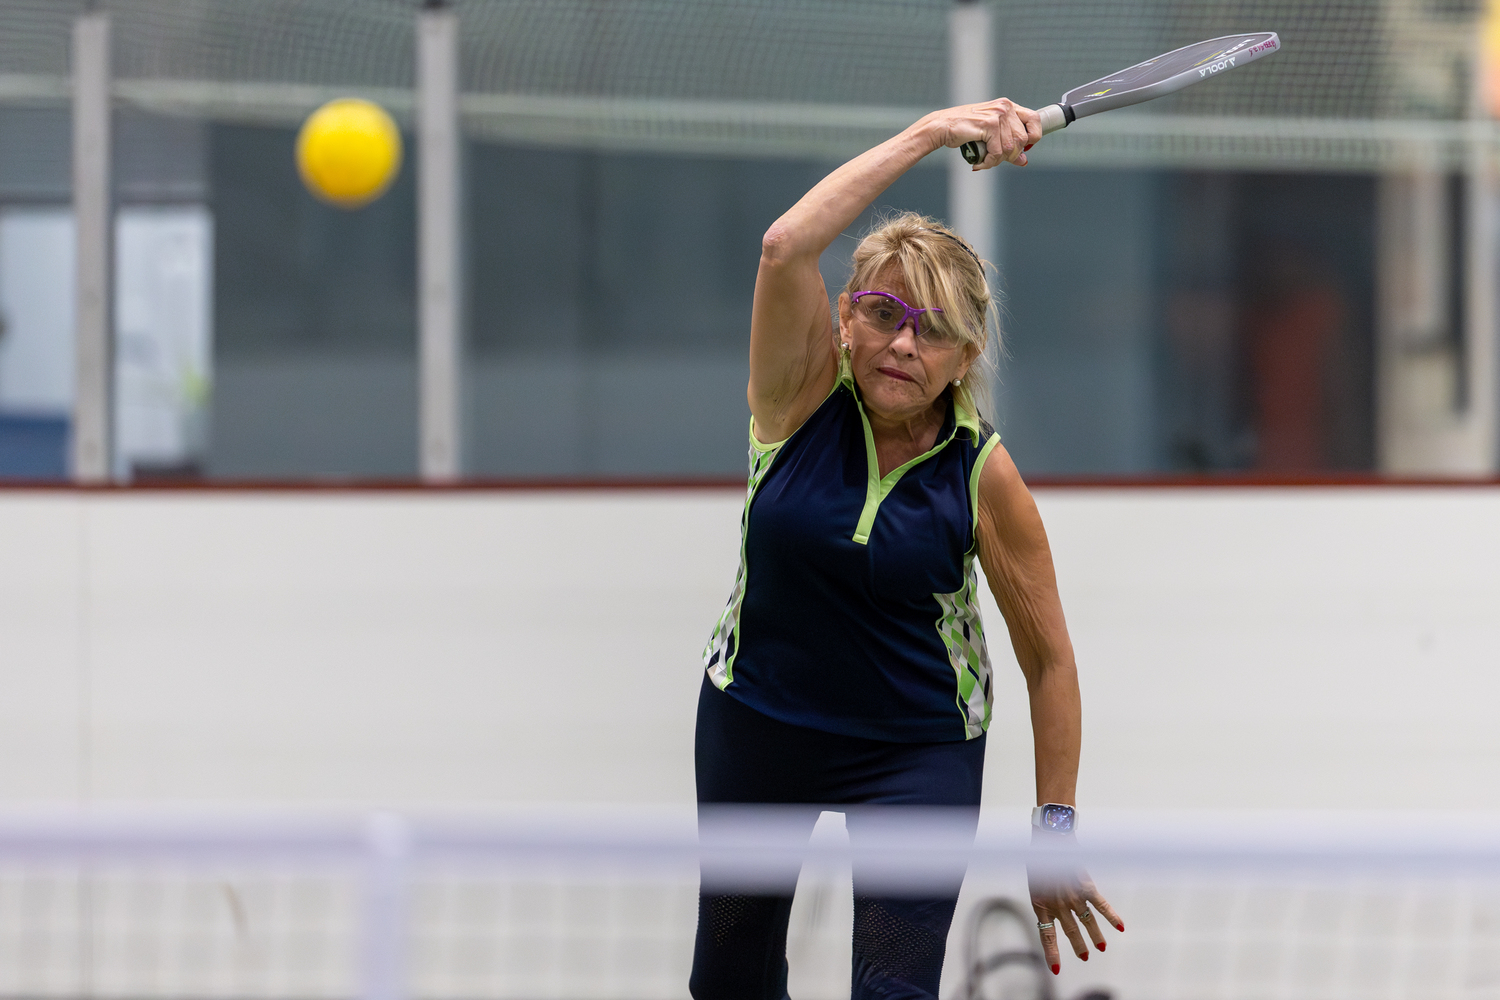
844 346
958 381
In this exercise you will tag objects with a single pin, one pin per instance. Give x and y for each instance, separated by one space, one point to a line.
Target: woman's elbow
782 243
775 244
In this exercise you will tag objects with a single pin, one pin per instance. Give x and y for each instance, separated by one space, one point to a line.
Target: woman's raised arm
793 358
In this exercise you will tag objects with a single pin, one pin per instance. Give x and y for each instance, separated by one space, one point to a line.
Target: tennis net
592 903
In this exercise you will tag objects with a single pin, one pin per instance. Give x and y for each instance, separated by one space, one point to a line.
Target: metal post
1438 385
94 217
439 264
385 929
1417 356
973 198
1481 316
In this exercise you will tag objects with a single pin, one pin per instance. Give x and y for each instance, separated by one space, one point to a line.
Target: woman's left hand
1061 896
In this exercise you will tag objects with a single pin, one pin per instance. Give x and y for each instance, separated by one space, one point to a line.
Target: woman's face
899 374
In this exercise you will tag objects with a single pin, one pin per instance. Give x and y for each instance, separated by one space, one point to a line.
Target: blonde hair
940 269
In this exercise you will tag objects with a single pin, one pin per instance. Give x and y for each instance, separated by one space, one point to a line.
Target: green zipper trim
878 488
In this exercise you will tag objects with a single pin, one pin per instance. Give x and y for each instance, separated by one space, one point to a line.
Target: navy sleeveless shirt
856 606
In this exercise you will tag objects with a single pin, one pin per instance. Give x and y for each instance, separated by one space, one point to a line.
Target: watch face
1058 819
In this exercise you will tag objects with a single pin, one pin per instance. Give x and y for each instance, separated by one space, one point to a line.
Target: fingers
1008 132
1061 899
1049 939
1069 914
996 150
1026 125
1102 905
1006 145
1033 123
1090 925
1011 134
1075 936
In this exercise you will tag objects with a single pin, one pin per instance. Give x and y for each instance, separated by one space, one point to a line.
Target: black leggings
743 756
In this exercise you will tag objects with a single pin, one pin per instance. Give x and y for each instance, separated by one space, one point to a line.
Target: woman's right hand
1006 129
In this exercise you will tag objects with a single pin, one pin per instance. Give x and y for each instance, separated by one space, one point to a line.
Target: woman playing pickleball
849 668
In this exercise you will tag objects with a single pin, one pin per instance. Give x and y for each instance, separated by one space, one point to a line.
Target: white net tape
1359 85
571 904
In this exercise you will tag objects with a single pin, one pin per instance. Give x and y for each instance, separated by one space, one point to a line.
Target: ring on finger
1045 927
1086 915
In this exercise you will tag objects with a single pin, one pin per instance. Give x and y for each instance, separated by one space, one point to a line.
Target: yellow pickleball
348 152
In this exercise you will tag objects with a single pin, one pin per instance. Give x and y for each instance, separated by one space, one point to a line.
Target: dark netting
901 940
1359 84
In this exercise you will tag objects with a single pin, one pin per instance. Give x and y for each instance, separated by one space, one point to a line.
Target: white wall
1238 647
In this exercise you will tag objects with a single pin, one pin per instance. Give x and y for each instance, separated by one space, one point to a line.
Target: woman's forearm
835 202
1057 730
1017 561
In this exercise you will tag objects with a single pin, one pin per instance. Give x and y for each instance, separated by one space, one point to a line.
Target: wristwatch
1054 818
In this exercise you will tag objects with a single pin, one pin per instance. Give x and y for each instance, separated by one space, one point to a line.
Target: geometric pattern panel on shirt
718 655
962 632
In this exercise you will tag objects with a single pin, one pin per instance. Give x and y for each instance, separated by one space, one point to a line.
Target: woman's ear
971 355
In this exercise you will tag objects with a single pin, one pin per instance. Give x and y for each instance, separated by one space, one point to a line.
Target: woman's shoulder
839 402
971 428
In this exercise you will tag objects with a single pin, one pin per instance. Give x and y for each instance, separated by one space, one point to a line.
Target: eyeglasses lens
888 315
882 312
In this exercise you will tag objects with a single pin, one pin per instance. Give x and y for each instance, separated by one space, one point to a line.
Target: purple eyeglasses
886 313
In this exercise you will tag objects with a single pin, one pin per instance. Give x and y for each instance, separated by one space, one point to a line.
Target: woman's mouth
895 373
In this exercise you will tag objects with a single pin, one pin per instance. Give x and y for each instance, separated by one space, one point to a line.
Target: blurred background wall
610 294
1207 285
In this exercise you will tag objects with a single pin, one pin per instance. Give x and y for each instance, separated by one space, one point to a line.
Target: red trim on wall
1231 481
378 486
1252 481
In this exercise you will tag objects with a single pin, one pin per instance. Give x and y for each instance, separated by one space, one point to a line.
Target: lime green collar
878 487
962 417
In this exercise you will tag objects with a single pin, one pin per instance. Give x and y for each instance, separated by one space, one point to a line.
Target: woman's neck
901 437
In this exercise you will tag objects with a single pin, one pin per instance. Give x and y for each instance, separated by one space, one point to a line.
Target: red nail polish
1084 957
1100 946
1119 927
1056 969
